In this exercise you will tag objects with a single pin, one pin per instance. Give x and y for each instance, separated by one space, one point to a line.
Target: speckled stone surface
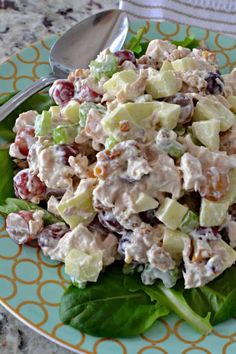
23 22
26 21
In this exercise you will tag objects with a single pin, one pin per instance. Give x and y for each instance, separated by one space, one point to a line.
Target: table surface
23 22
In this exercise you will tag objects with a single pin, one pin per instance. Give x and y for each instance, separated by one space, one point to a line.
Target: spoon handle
22 96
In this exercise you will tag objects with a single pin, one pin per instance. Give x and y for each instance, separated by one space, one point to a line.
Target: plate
31 285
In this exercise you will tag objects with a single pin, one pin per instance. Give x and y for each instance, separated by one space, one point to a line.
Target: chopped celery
107 67
43 123
65 134
189 222
110 142
85 108
176 149
166 141
150 274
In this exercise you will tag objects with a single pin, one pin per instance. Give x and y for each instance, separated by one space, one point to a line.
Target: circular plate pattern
34 296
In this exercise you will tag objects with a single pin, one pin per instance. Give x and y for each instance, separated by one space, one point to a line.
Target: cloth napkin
216 15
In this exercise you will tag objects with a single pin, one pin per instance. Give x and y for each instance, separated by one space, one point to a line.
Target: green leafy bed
119 305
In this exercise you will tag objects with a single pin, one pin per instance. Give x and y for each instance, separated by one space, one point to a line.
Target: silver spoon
75 49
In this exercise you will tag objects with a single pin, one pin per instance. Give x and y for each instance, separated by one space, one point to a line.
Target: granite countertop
23 22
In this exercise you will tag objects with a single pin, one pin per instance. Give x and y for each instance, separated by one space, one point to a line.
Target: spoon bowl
75 49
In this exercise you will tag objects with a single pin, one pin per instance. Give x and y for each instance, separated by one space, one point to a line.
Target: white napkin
216 15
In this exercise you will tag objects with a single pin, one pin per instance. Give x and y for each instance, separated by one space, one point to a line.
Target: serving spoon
75 49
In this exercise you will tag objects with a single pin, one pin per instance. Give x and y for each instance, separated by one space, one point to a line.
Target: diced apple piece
171 213
141 115
207 109
166 66
145 202
231 254
168 115
71 111
207 132
43 123
213 213
162 84
185 64
232 101
77 207
55 112
83 266
173 242
119 81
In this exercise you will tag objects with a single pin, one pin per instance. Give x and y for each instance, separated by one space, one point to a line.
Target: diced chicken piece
52 205
157 51
159 258
230 83
207 158
192 172
212 260
231 225
179 53
25 119
82 239
25 135
193 81
52 169
79 164
144 246
93 127
128 170
228 141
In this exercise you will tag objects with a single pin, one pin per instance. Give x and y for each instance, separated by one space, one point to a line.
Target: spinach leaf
187 42
37 102
139 48
13 205
173 299
6 175
108 309
217 297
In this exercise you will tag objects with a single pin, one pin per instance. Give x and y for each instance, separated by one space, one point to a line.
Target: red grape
87 94
25 139
29 186
65 151
62 91
124 55
18 226
51 234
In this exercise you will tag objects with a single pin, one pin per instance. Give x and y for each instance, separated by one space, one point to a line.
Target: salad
129 178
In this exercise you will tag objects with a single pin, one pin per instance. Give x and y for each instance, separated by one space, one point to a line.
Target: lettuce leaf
108 308
13 205
6 176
